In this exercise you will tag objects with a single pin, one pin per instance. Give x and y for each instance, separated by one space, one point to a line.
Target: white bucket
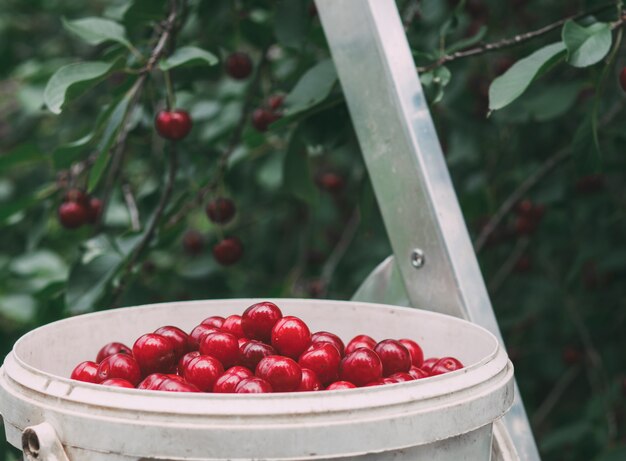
444 418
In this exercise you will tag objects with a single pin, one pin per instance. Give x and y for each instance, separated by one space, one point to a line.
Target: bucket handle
41 443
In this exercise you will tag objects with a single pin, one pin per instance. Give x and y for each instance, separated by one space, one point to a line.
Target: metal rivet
417 258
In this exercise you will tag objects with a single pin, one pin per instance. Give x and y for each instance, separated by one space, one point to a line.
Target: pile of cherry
257 352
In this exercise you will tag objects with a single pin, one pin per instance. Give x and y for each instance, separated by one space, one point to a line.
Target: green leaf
312 88
8 210
467 42
141 11
24 154
188 55
586 45
78 77
291 23
510 85
97 30
87 282
296 172
64 156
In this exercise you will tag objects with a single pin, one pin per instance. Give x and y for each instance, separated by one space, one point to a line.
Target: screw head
417 258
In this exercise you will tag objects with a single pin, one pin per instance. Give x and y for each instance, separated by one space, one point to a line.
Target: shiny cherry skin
238 65
263 118
154 354
361 367
242 342
228 251
121 366
324 360
76 195
86 372
310 381
221 345
283 373
358 342
258 320
378 382
94 209
221 210
400 377
327 337
173 125
291 336
203 371
339 385
445 365
418 373
275 101
232 325
174 385
117 382
193 242
72 215
151 382
179 338
253 351
111 349
198 333
428 364
394 355
185 359
253 386
415 351
215 321
227 383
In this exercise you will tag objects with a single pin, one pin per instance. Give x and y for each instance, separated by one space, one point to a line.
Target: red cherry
361 367
275 101
193 242
228 251
571 355
185 359
221 210
291 336
152 382
174 125
238 65
253 386
227 383
72 215
76 196
258 320
154 354
310 381
232 325
446 365
203 371
326 337
179 338
394 356
214 321
93 210
242 342
428 364
119 366
525 225
330 182
262 119
111 349
198 333
524 208
400 377
418 373
622 79
338 385
323 360
240 371
253 351
173 385
86 372
415 351
221 345
358 342
283 374
378 382
117 382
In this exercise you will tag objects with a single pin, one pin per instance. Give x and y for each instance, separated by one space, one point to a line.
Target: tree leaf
296 172
312 88
77 76
97 30
87 282
23 154
510 85
291 23
467 42
586 45
188 55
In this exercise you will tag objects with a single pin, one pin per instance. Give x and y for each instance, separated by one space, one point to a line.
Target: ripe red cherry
418 373
154 354
221 345
227 383
86 372
117 382
253 386
203 371
220 210
326 337
185 359
361 367
214 321
76 196
291 336
238 65
174 385
111 349
198 333
428 364
258 320
310 381
358 342
228 251
242 342
193 242
174 125
622 79
400 377
262 119
179 338
323 360
338 385
415 351
152 382
445 365
253 351
93 210
275 101
232 324
394 356
283 374
72 215
378 382
331 182
119 366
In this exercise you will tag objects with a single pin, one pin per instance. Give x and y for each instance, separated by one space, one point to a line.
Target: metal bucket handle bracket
41 442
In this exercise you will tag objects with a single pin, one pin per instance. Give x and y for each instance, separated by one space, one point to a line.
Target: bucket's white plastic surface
444 418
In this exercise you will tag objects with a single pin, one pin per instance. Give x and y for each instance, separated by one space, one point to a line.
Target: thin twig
510 42
517 195
507 267
131 204
549 403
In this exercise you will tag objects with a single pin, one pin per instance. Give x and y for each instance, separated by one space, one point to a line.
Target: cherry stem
171 96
